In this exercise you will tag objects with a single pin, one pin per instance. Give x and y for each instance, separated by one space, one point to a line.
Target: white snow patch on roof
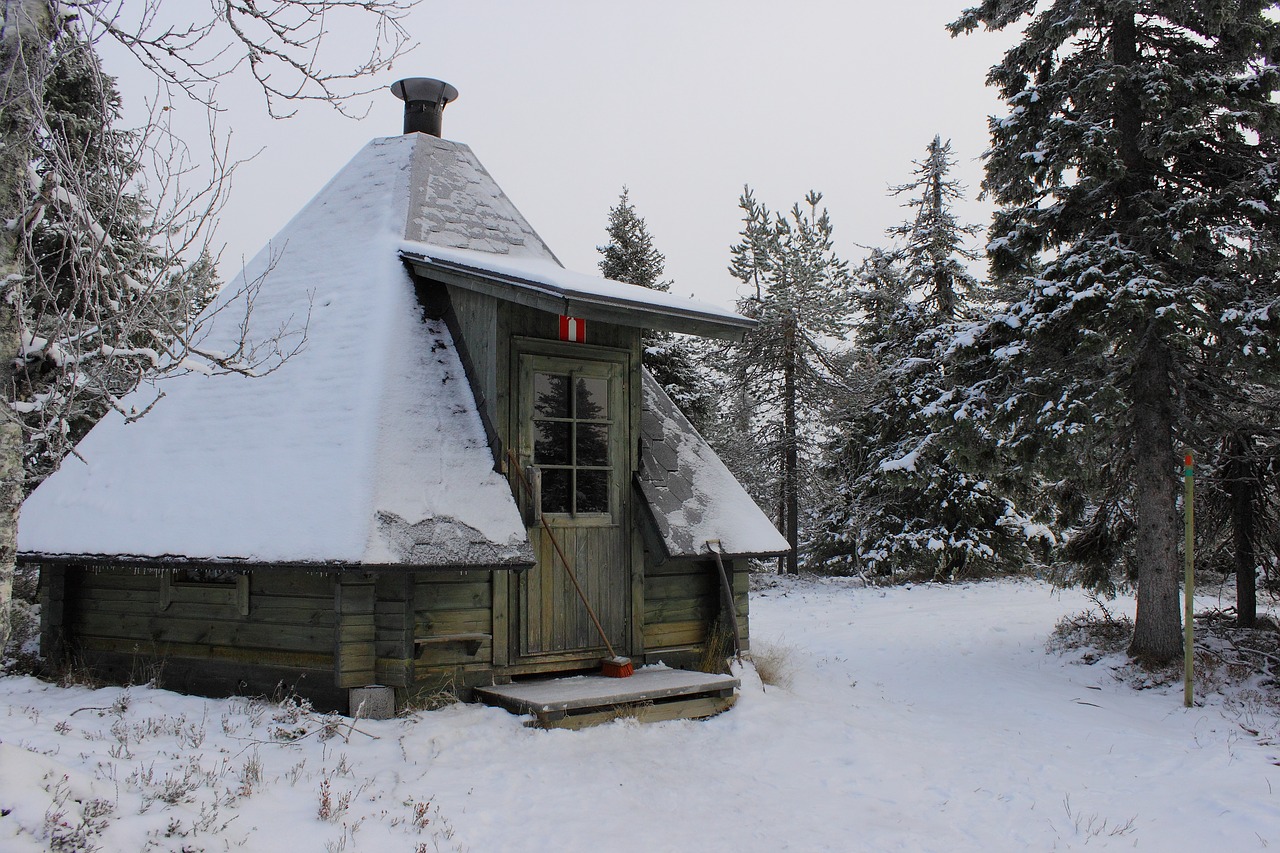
294 466
692 496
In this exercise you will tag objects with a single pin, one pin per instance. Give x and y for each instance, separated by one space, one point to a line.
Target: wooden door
574 435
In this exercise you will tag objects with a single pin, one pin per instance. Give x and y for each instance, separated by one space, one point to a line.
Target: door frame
624 449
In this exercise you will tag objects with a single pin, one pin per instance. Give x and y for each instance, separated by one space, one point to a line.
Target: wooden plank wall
452 605
476 316
393 629
354 603
53 595
200 642
681 601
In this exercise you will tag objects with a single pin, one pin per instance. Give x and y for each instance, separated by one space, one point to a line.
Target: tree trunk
1241 492
1157 630
1127 115
23 61
790 473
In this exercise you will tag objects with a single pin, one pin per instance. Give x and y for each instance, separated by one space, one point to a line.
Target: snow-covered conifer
935 255
1136 178
915 485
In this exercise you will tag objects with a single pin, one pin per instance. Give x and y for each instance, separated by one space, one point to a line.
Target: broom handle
515 463
726 596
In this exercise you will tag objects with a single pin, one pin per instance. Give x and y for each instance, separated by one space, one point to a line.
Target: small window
571 444
206 577
188 585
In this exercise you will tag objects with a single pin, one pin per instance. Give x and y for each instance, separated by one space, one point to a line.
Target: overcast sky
684 102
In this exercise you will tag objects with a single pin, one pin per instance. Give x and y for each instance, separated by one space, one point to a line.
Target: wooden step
653 694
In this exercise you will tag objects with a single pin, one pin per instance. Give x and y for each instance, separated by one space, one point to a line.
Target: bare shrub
1095 633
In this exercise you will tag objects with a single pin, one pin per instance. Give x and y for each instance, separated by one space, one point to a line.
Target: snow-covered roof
365 448
692 496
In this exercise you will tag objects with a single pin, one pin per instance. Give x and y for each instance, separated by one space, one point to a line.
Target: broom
615 665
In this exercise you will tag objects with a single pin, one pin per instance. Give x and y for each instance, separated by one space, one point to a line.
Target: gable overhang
559 291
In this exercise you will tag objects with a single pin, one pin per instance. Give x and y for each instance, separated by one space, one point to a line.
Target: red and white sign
573 329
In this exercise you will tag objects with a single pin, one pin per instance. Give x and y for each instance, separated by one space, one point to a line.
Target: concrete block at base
374 702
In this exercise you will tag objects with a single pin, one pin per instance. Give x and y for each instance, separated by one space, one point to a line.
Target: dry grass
1094 633
431 698
774 663
717 648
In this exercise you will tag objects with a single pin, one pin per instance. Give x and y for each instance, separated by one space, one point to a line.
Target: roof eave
728 555
589 306
169 561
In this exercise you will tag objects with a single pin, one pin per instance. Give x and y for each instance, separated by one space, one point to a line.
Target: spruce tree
1136 179
799 292
631 257
100 299
935 256
917 488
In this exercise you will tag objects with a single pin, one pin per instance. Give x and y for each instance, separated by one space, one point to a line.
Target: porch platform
652 694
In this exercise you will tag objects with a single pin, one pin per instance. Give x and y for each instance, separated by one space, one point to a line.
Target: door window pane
593 445
571 441
551 395
556 485
592 398
593 491
551 443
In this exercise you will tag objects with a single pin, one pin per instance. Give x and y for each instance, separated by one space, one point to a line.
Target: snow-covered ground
928 718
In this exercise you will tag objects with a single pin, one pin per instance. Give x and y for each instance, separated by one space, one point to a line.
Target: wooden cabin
386 507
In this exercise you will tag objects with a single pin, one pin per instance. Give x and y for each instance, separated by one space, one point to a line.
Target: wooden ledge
470 642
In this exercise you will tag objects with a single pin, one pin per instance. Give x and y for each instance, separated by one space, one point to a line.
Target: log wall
132 626
682 602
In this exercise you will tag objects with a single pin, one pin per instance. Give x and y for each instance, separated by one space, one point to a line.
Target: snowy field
925 718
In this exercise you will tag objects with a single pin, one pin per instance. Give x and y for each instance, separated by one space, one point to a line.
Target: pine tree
631 257
783 369
1136 177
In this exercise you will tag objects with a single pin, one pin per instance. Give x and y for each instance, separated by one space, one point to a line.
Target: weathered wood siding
393 626
452 630
474 318
115 621
354 603
682 601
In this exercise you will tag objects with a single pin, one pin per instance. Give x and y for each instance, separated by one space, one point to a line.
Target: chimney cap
424 89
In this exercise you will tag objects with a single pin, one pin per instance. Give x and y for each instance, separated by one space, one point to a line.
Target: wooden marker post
1189 585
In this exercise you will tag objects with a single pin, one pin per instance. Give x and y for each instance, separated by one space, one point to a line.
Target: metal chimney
424 101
